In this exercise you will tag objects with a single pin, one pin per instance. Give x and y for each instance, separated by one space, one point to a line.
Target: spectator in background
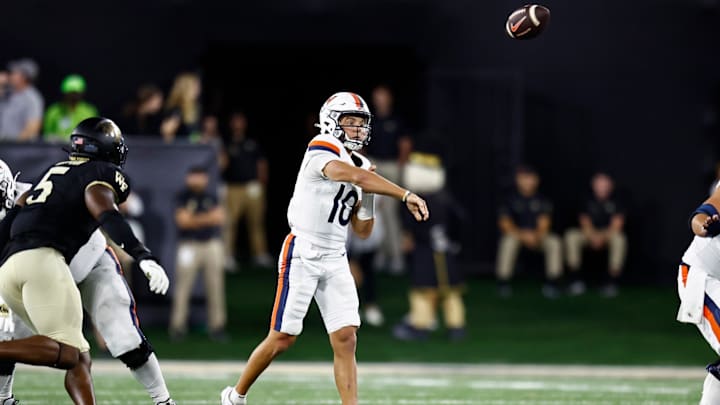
22 111
183 109
246 176
435 278
143 116
199 218
210 135
601 227
62 116
389 150
4 85
525 220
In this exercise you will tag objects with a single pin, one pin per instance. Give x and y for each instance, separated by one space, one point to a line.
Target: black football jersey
55 214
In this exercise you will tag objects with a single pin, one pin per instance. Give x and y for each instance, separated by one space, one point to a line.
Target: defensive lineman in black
41 234
55 214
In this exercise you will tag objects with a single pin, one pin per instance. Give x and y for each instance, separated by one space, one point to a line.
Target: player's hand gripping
158 279
417 207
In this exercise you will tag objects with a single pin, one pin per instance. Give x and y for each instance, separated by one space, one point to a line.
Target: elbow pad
119 231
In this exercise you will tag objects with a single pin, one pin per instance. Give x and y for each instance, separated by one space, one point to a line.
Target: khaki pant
389 209
247 200
423 304
192 256
37 285
575 240
509 249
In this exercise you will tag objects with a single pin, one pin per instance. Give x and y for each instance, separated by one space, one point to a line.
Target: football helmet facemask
7 188
338 105
98 138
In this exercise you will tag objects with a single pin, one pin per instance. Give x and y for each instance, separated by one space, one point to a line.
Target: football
527 22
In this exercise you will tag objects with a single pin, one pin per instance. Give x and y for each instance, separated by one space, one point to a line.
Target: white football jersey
320 209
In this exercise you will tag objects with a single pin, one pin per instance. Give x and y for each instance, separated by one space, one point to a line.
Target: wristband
406 195
366 211
709 210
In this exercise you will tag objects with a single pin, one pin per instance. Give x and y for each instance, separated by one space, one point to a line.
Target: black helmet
98 138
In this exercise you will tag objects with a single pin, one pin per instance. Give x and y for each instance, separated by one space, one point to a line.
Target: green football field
388 383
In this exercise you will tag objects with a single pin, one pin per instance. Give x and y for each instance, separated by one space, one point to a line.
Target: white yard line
210 369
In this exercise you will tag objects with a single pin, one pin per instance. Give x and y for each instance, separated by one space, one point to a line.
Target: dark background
625 86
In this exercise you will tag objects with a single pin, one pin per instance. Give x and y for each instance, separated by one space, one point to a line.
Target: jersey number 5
344 213
46 185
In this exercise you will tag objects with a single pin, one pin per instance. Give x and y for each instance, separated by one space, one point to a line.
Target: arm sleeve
119 231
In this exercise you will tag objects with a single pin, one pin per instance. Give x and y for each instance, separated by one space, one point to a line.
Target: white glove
159 281
7 325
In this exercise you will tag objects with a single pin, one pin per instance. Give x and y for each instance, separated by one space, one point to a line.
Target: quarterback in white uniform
699 287
334 188
105 296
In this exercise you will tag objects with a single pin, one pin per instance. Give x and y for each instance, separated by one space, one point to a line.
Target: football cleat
225 398
10 401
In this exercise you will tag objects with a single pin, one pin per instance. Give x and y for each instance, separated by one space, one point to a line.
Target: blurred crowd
207 219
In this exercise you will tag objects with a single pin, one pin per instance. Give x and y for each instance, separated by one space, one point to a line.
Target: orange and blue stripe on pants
711 311
133 307
283 285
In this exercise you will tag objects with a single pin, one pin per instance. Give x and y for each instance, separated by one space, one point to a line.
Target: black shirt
525 211
55 214
601 212
197 203
384 137
243 157
436 227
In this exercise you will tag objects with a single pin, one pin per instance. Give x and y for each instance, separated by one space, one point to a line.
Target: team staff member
525 221
199 218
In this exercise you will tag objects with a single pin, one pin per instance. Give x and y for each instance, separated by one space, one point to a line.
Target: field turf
289 383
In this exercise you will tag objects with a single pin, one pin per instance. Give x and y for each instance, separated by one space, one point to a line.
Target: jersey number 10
343 205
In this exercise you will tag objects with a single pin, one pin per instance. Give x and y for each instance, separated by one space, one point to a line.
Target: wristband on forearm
406 195
119 231
709 210
366 211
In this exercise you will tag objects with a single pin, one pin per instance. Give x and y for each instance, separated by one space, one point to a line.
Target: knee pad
135 358
714 369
